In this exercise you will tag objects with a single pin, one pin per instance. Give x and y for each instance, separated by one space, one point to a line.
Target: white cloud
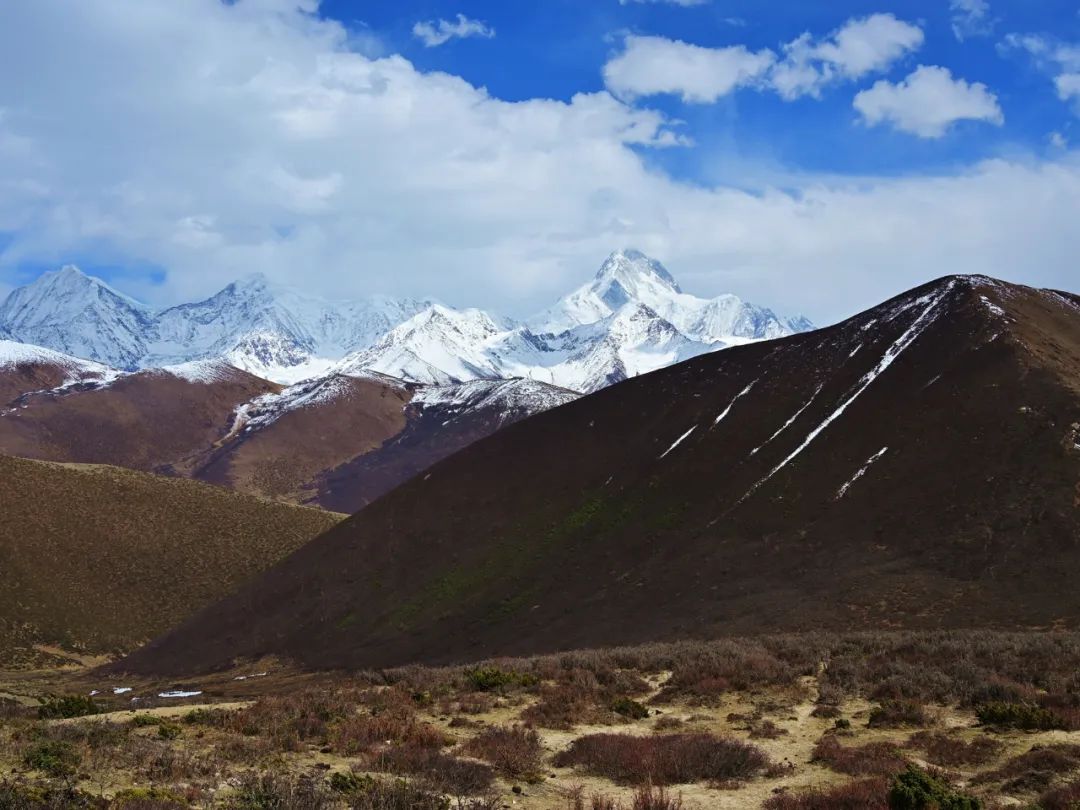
861 46
1061 60
970 18
653 65
1057 140
257 142
438 32
927 102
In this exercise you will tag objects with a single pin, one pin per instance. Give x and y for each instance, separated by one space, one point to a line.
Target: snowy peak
630 275
77 314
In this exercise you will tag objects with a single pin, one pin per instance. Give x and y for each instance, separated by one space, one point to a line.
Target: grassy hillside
99 558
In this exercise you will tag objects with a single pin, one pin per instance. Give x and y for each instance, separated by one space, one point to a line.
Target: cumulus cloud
928 102
260 142
653 65
970 18
860 47
1060 60
438 32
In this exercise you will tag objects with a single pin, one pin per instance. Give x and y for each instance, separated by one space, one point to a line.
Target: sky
815 157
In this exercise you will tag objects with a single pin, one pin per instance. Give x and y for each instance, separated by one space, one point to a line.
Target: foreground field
962 720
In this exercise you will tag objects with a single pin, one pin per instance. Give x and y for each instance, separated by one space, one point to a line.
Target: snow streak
678 441
906 339
790 421
860 473
727 410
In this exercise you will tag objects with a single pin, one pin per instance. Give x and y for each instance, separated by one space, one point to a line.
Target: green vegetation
629 708
66 706
52 757
915 789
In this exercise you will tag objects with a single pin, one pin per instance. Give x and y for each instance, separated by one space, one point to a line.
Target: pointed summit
632 268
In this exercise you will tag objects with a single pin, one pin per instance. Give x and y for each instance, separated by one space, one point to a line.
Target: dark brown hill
142 421
99 559
917 465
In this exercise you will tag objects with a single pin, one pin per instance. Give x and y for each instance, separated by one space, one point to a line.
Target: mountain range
917 465
630 319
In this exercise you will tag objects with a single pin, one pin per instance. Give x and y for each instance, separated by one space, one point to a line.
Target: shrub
562 707
648 798
168 731
871 759
826 712
915 789
942 749
147 799
897 714
355 734
1065 797
1027 716
274 792
59 706
16 796
663 759
629 708
1037 768
766 730
866 794
489 679
52 757
514 751
434 769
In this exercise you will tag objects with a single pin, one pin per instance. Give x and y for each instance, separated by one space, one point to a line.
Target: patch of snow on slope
860 473
679 441
205 372
727 410
790 421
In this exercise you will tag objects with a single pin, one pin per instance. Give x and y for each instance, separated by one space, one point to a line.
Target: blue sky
815 157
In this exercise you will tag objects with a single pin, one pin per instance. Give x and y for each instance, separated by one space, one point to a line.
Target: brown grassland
956 721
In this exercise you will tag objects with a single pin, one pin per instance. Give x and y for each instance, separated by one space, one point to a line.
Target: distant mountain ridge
630 319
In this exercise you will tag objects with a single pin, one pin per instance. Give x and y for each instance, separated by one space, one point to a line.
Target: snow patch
679 441
737 397
178 693
860 473
790 421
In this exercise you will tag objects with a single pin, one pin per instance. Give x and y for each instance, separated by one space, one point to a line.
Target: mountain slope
142 420
342 441
71 312
25 369
918 464
103 579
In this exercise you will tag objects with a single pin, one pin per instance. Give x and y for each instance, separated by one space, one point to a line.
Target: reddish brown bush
950 751
766 730
872 759
358 733
898 714
664 759
1065 797
867 794
514 751
433 769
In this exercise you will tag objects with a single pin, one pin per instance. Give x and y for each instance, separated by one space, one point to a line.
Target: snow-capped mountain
78 315
632 318
631 277
268 330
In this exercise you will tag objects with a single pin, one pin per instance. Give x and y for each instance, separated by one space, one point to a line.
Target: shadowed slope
916 465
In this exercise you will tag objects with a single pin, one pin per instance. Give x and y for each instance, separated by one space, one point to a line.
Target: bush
434 769
52 757
766 730
1037 768
867 794
147 799
897 714
1065 797
915 789
1027 716
871 759
629 708
356 734
514 751
489 679
942 749
665 759
14 796
168 731
64 706
273 792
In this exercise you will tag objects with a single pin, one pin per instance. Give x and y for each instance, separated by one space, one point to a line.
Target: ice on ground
790 421
860 473
178 694
121 690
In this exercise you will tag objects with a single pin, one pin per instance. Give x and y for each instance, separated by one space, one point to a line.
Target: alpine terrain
916 465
